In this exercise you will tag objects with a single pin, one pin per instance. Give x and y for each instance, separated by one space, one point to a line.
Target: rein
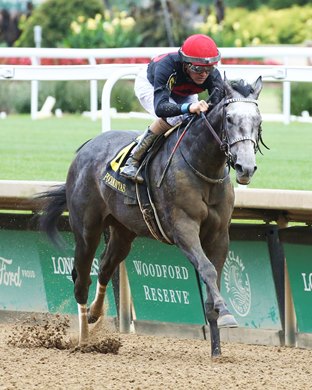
173 151
223 143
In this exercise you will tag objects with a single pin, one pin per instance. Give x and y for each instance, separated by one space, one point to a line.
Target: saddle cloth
113 179
135 194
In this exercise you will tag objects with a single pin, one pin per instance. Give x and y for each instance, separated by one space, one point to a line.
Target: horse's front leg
217 252
187 238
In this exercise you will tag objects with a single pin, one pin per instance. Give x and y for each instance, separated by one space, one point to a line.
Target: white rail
284 53
113 72
250 72
282 206
284 73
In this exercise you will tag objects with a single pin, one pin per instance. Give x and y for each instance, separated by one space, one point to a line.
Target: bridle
224 142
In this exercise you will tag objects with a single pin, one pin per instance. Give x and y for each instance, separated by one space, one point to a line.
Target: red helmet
199 49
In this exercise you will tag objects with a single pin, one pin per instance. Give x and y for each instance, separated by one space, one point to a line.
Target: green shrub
71 96
123 97
264 26
15 96
112 29
55 17
74 96
301 98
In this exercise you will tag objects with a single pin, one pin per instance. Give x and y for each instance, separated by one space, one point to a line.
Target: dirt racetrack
42 356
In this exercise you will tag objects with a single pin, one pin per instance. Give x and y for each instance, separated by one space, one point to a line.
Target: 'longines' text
307 281
64 265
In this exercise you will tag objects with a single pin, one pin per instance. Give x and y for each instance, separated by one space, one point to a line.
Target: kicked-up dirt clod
53 331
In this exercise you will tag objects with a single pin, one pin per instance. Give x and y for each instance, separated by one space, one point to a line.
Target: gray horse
194 201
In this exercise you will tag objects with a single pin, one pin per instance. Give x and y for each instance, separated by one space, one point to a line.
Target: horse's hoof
95 326
227 321
82 343
216 353
94 315
92 319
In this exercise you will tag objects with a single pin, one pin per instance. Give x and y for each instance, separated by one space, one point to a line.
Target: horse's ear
227 86
257 86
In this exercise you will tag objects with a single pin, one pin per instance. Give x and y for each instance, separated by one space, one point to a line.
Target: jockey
169 89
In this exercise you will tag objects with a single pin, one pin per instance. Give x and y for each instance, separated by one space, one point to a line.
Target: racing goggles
200 68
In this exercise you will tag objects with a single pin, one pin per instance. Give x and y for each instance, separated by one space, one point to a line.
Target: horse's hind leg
86 246
117 249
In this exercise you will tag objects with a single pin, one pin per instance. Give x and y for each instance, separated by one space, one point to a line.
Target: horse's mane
81 146
241 87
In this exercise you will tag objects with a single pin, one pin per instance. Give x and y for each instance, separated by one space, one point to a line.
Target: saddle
134 193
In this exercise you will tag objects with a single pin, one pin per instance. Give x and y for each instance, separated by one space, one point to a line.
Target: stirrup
131 172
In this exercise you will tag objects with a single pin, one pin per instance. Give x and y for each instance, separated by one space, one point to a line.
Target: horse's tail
54 204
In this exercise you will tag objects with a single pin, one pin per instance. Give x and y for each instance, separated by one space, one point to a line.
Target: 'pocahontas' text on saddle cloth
114 180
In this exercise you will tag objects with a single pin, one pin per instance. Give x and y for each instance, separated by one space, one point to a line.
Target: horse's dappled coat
194 213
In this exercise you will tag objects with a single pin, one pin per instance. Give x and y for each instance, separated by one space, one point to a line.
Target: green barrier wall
21 281
297 244
299 264
163 283
34 276
248 287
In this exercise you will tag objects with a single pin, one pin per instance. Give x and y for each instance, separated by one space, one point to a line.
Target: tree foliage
241 27
110 30
255 4
55 17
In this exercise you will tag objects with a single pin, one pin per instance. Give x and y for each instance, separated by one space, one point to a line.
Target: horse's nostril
238 168
245 171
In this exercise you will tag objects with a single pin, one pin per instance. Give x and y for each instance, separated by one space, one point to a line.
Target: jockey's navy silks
166 73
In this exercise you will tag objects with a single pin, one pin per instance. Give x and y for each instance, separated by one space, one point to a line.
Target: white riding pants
144 91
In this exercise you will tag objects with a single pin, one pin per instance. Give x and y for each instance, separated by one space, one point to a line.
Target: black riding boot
132 164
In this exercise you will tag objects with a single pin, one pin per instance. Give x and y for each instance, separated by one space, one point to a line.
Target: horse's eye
229 119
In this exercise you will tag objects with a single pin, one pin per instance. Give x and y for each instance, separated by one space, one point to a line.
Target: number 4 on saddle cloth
134 193
113 179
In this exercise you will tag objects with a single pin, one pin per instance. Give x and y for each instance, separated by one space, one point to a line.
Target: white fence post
124 300
286 102
34 91
93 93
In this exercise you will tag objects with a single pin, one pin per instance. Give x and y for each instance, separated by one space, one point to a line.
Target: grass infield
43 149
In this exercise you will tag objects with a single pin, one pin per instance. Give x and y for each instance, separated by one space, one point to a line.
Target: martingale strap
203 177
